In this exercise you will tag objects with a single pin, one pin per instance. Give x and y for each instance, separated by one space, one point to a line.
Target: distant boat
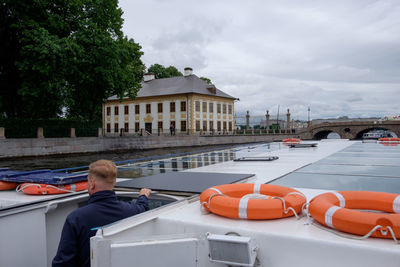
376 134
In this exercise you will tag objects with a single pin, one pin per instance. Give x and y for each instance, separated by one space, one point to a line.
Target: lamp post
309 122
247 121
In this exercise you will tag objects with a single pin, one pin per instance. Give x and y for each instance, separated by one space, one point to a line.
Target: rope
286 210
392 233
304 210
383 232
21 188
209 199
59 188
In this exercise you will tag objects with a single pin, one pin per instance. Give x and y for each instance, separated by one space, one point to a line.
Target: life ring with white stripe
338 210
230 200
48 189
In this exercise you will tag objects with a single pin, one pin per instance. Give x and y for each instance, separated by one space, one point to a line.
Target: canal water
76 160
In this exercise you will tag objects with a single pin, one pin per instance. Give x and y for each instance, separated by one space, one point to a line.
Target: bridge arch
323 134
349 130
366 130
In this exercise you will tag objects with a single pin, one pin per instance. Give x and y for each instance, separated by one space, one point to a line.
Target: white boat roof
281 242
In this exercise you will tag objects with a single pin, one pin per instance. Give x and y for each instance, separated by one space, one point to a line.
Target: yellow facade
153 117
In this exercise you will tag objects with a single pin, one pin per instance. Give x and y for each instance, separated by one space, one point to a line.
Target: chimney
148 76
212 89
188 71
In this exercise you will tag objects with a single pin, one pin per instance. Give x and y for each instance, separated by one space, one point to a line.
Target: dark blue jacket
103 208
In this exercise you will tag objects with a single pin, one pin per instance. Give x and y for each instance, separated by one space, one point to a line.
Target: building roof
176 85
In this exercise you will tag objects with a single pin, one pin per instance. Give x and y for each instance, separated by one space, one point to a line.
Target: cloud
338 57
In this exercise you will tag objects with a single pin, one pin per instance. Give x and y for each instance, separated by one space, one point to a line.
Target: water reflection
176 163
189 161
133 166
75 160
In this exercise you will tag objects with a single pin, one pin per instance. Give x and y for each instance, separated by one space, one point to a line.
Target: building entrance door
148 127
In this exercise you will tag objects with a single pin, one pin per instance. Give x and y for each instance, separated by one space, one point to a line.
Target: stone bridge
348 130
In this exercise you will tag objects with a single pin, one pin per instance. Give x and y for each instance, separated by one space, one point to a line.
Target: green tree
207 80
64 56
164 72
343 117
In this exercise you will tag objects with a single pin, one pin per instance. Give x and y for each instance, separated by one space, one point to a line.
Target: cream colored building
186 102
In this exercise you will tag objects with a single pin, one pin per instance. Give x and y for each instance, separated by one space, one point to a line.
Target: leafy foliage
27 128
164 72
64 58
207 80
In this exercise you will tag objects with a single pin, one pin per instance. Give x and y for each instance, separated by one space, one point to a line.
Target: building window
211 125
230 126
126 127
230 109
218 125
183 126
204 106
160 107
115 127
224 108
204 125
218 108
148 108
126 110
108 127
137 126
198 126
172 123
137 109
224 125
197 106
160 125
183 106
211 107
172 107
116 110
108 111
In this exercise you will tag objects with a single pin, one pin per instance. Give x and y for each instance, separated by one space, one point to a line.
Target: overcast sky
337 57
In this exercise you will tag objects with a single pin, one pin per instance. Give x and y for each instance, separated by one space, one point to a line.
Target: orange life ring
389 139
7 185
336 210
48 189
229 201
291 141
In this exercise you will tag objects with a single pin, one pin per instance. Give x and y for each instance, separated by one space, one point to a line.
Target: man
103 208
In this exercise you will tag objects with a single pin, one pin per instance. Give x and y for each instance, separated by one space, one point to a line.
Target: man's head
102 176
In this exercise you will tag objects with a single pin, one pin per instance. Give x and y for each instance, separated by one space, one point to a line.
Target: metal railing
99 132
177 132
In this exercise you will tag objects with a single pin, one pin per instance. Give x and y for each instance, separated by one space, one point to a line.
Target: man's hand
145 191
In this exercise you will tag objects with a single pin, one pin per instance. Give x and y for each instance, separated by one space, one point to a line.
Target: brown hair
104 171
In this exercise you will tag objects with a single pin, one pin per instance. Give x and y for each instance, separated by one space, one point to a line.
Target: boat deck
280 242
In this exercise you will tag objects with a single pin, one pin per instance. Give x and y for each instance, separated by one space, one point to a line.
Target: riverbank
12 148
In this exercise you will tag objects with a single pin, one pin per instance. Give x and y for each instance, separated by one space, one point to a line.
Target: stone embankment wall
51 146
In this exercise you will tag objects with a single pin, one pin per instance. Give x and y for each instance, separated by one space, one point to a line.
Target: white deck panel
281 242
290 159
